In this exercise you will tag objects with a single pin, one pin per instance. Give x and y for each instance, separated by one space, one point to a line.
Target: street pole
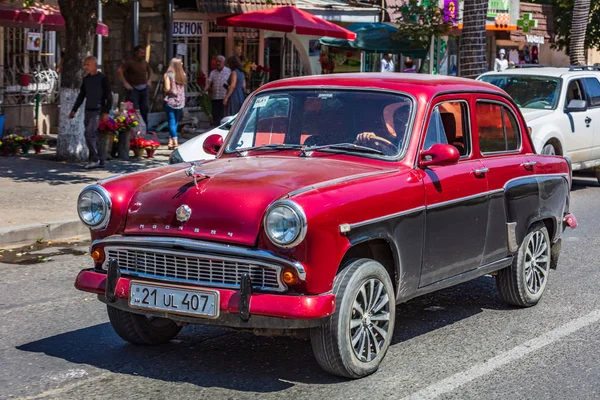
170 6
99 46
136 22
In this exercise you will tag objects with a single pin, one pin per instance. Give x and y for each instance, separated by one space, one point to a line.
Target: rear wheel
357 336
523 283
139 329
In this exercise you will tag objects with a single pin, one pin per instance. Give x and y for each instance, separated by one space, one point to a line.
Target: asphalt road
460 343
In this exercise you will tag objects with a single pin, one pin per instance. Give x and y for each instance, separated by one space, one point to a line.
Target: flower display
110 126
128 121
37 140
137 143
151 144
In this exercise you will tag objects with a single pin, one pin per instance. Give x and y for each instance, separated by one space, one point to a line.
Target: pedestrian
174 87
95 90
217 87
409 66
387 64
136 75
501 62
236 93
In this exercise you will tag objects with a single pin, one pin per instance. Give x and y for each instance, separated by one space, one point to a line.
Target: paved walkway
38 195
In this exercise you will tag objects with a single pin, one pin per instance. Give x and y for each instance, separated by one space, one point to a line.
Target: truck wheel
356 337
523 283
549 150
139 329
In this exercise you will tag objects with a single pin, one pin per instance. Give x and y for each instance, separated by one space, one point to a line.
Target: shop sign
451 11
187 28
534 39
527 22
34 41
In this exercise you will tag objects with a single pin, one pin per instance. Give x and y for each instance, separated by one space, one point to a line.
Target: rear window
593 89
498 128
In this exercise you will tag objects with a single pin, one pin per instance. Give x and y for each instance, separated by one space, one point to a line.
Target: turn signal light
98 256
290 276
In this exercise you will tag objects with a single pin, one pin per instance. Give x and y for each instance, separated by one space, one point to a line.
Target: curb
27 234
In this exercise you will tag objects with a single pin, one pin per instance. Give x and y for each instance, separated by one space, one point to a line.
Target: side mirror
577 106
439 154
213 144
227 119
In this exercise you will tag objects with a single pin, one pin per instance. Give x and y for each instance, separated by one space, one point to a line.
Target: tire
332 342
142 330
597 173
549 150
512 283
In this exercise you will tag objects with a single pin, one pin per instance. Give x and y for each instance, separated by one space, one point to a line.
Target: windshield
334 120
536 92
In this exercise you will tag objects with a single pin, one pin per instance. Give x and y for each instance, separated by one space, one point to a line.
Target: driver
395 118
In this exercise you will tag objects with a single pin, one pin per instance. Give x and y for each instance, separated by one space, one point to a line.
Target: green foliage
562 12
418 21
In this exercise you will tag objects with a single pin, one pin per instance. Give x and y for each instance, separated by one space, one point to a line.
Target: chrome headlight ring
105 205
296 223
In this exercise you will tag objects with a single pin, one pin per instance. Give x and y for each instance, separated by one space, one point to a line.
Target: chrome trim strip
348 227
496 191
511 228
339 180
460 200
210 257
301 215
198 245
107 200
566 176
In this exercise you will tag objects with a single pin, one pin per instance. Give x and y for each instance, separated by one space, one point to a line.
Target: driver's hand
364 137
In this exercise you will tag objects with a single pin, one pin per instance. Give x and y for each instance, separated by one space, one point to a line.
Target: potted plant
107 130
137 144
25 145
37 142
151 146
126 121
12 144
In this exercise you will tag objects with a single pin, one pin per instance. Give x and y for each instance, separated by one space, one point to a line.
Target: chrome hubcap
537 263
370 320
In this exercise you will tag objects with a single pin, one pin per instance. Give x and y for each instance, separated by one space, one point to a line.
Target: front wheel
142 330
549 150
355 339
523 283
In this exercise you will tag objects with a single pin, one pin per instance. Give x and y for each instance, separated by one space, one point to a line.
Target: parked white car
562 108
193 149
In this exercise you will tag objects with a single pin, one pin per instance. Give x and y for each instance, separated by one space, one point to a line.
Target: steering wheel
382 144
313 140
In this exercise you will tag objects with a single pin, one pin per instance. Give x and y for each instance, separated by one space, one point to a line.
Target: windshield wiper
272 146
345 146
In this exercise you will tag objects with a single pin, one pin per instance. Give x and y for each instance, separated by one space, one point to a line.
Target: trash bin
1 125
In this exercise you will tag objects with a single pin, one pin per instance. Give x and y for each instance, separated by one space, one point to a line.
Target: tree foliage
562 12
419 20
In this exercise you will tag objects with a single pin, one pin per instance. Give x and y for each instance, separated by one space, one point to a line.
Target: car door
592 92
499 132
456 196
578 139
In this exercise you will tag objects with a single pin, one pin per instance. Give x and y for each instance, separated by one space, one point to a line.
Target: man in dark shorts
95 90
136 75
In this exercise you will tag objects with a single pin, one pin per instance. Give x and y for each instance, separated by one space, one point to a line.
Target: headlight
175 157
285 223
93 207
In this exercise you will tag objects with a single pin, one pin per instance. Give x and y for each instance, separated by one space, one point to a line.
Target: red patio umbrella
287 19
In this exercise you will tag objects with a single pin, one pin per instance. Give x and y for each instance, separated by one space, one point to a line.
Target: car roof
555 72
416 84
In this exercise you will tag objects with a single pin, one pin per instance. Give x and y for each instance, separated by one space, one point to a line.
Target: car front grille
201 269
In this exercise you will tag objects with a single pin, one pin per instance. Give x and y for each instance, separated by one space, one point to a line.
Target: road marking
455 381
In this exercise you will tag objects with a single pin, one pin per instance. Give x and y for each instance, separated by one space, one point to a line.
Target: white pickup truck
562 108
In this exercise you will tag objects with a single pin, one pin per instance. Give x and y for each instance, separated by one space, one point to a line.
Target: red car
332 200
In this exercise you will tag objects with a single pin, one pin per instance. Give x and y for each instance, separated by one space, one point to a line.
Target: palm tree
472 40
581 15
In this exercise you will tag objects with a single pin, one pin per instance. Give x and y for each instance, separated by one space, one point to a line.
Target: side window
498 128
574 91
593 91
449 124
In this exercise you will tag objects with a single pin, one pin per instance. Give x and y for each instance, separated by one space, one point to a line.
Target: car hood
532 114
231 196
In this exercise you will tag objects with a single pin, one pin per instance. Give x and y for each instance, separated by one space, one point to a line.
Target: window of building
498 128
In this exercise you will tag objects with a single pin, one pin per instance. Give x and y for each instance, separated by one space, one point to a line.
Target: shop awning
376 38
287 19
41 15
239 6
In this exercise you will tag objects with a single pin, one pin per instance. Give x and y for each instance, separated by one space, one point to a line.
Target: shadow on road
211 357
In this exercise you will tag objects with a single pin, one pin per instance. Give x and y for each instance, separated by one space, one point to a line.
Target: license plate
174 299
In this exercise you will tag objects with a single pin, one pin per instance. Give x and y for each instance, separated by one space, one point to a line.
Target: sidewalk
38 196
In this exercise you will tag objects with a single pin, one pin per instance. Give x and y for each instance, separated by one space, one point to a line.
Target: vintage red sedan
332 200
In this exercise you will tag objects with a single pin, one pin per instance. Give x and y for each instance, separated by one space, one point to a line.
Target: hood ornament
183 213
192 173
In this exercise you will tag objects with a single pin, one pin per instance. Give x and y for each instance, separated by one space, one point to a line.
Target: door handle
588 120
480 171
529 164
